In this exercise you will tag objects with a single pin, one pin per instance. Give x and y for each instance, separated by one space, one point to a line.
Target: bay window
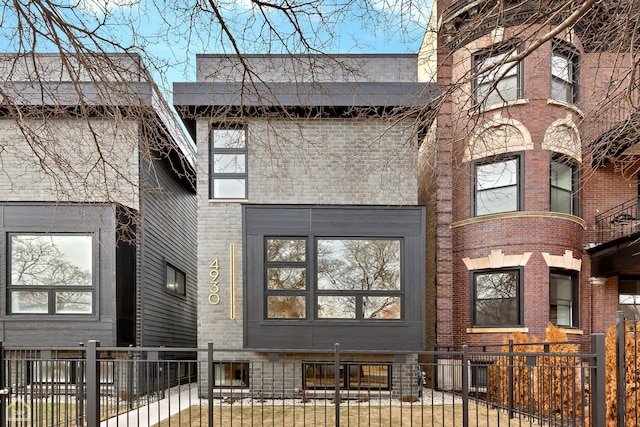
497 185
563 299
497 298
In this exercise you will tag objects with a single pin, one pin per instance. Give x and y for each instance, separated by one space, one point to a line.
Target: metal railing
620 221
501 385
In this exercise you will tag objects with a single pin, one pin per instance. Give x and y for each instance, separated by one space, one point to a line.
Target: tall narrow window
228 164
286 287
564 184
498 79
563 297
497 186
496 298
563 74
51 274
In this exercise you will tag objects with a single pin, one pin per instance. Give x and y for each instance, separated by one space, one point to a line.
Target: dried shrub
550 386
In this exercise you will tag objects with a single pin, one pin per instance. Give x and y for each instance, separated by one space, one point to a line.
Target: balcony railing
620 221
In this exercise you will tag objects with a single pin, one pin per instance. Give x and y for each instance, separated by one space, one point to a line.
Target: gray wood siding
167 234
62 330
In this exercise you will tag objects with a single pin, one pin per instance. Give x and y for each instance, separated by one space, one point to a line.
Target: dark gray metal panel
167 234
52 330
292 220
407 223
351 94
615 259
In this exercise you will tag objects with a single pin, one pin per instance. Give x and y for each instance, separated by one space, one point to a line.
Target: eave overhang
330 98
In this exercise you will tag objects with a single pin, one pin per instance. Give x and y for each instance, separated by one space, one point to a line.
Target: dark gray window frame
563 49
322 221
312 292
478 58
519 157
51 290
575 296
213 151
167 266
344 367
519 296
575 182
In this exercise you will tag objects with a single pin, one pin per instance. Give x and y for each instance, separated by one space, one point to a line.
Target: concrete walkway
151 414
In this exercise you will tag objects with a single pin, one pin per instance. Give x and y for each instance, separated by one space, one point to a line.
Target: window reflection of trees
496 299
286 273
51 262
355 266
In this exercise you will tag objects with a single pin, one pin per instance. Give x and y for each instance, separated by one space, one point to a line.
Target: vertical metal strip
232 271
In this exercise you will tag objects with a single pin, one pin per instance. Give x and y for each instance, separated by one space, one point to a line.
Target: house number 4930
214 272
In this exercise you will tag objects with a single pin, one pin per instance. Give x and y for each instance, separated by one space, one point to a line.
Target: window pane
29 302
561 91
496 201
55 371
73 302
348 265
381 307
321 375
39 260
176 280
368 376
494 175
560 67
286 307
231 374
561 175
561 299
286 278
229 163
561 201
496 299
286 250
336 307
229 138
229 188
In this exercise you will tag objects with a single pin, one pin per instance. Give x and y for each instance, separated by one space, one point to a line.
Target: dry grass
310 415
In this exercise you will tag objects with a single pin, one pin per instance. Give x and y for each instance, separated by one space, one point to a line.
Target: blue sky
169 34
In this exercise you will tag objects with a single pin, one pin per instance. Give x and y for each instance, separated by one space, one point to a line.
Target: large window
228 164
498 79
629 297
563 299
352 376
497 298
563 74
497 185
50 274
564 183
355 279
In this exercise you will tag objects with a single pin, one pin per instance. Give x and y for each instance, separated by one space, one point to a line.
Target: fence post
93 384
336 375
465 385
210 382
510 390
80 389
598 398
130 378
3 385
621 371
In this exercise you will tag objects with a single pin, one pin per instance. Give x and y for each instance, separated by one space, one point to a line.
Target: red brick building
529 174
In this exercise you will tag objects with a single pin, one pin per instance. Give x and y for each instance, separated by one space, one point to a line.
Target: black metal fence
99 386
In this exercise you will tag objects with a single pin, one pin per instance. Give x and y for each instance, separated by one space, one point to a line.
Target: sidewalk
155 412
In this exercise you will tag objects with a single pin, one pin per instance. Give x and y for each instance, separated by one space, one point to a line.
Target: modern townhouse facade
97 207
309 228
534 194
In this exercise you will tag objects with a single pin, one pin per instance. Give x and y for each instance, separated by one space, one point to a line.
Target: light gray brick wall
59 161
303 68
